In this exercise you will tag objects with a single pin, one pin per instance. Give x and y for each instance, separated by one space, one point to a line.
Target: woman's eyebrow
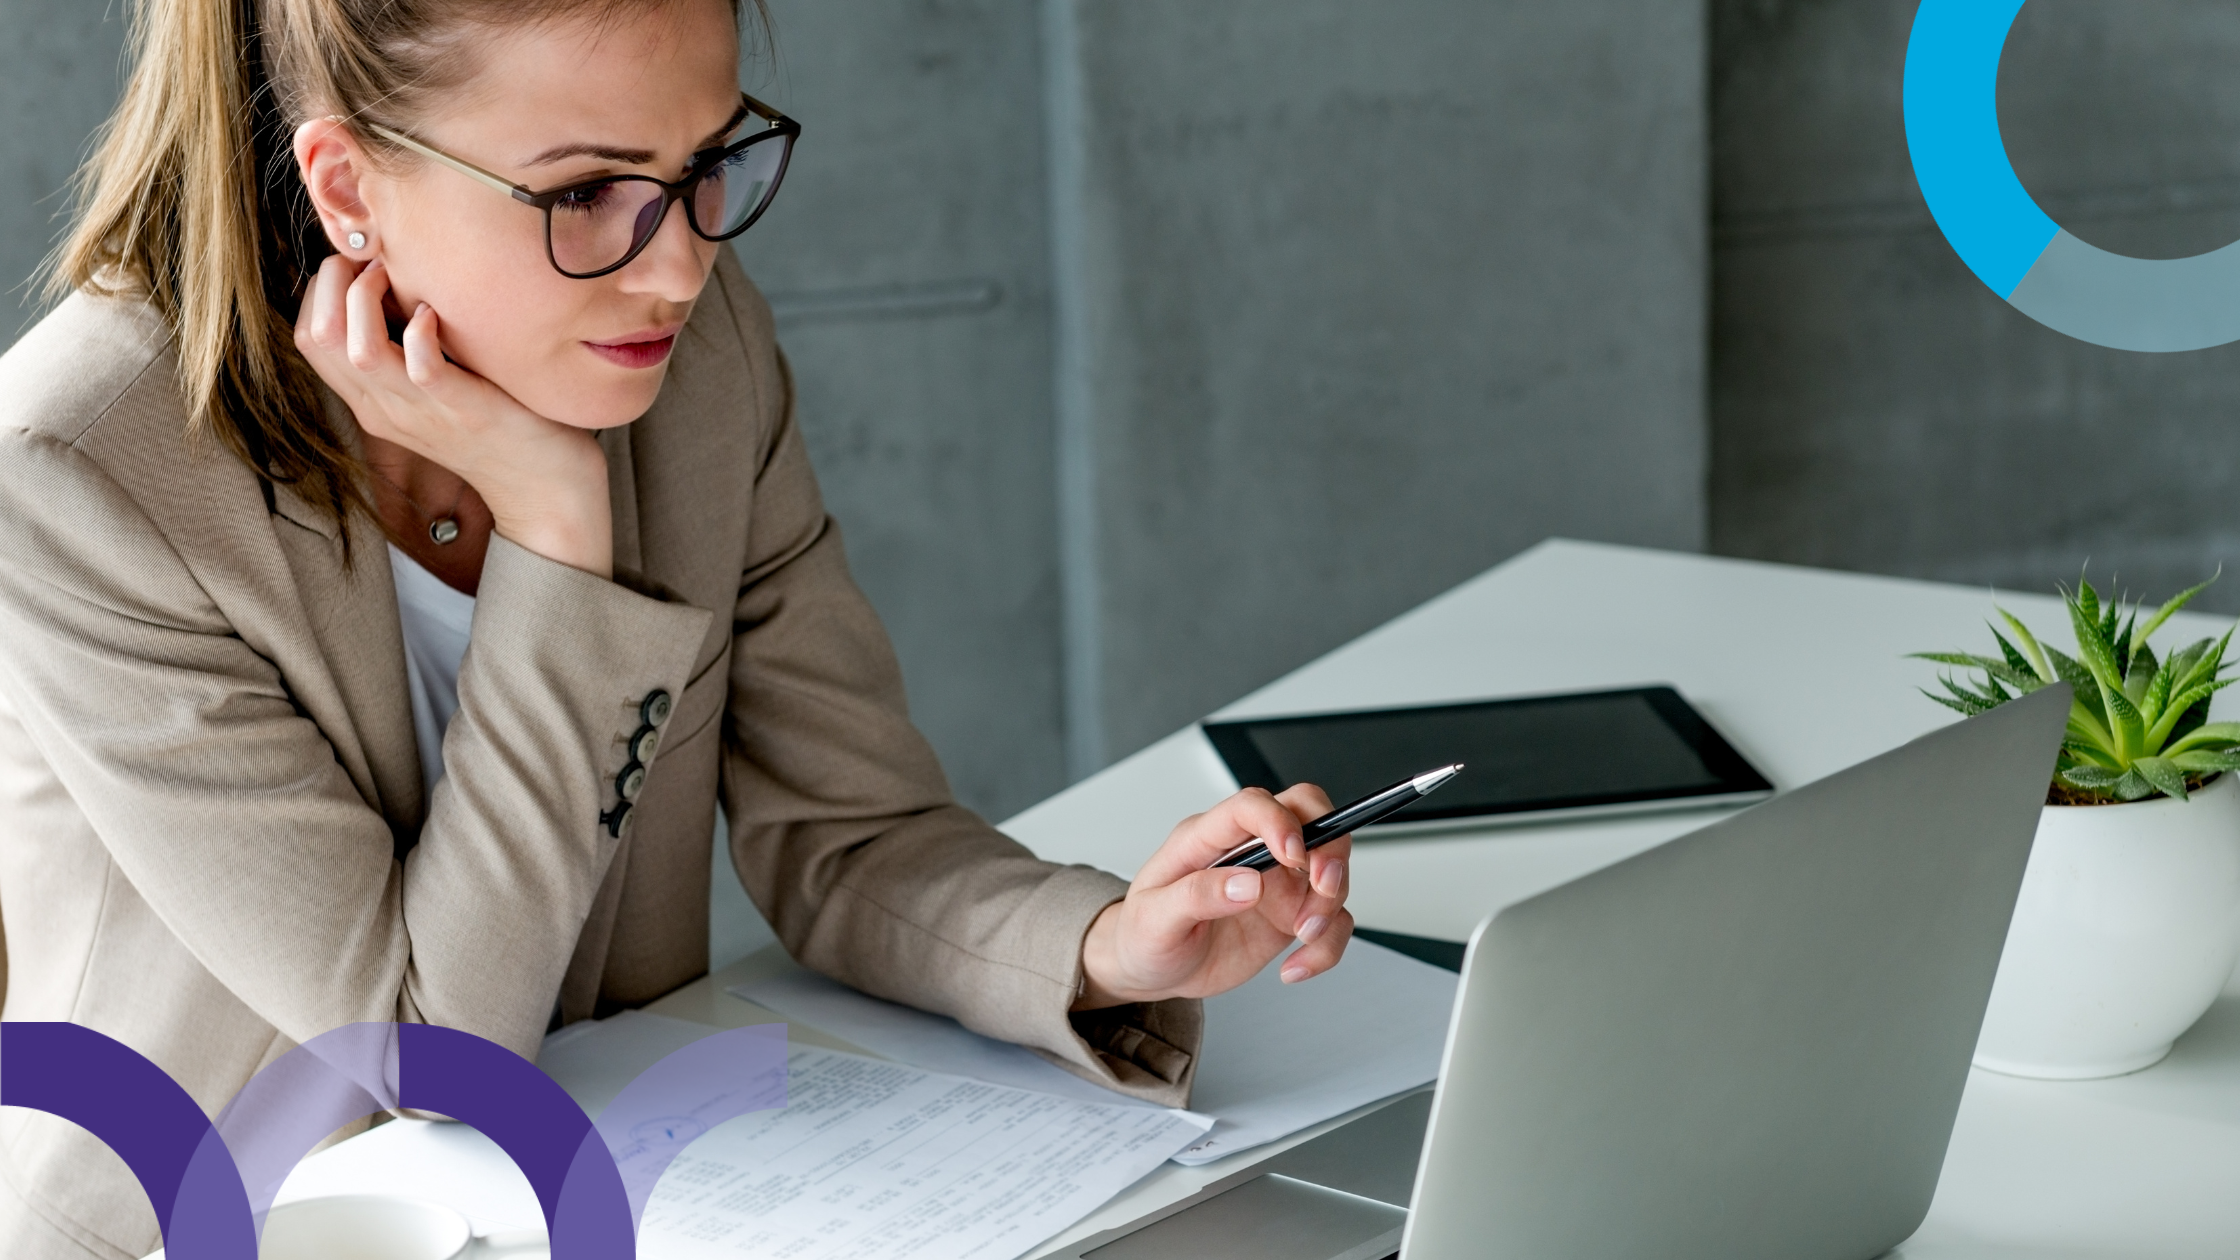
631 157
622 157
717 136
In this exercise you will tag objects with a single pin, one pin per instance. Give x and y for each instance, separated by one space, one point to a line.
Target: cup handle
500 1242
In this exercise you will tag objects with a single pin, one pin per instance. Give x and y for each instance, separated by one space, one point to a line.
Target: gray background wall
1875 406
1151 348
1361 299
908 262
58 78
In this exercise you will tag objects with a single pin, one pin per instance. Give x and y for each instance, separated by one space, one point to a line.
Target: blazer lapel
352 614
622 495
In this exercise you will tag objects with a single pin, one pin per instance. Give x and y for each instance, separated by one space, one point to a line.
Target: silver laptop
1749 1042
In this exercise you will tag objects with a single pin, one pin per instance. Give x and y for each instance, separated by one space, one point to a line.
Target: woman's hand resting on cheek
545 483
1187 931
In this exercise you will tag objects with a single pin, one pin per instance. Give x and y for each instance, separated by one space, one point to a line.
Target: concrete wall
1355 301
908 263
58 79
1876 407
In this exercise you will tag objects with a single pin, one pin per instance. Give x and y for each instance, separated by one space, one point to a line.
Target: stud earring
357 240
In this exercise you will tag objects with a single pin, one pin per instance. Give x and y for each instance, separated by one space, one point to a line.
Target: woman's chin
594 405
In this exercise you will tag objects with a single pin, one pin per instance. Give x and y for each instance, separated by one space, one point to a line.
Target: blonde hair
191 202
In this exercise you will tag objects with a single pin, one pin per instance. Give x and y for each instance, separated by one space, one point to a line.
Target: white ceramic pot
2127 928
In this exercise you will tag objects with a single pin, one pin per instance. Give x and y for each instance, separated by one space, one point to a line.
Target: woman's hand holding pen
1187 931
544 482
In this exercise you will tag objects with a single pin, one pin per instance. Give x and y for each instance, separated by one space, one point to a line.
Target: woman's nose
671 266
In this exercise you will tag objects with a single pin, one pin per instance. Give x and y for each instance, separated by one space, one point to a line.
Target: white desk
1804 672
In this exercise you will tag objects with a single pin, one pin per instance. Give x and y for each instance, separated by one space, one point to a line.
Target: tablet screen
1565 752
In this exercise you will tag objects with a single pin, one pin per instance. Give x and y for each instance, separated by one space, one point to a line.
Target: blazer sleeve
842 826
225 806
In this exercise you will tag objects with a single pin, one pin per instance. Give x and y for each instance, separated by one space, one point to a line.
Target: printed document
872 1159
1278 1057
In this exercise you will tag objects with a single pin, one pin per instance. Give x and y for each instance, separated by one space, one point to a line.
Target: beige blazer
207 767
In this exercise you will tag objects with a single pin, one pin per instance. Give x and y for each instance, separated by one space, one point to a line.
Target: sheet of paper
872 1159
1277 1057
933 1042
594 1059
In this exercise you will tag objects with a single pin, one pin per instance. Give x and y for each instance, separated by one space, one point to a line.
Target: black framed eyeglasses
596 226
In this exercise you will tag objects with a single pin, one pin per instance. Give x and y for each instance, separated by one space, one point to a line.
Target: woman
333 403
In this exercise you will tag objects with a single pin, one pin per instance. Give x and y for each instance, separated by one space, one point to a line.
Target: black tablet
1528 759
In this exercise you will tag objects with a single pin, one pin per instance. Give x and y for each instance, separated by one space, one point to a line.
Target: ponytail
191 201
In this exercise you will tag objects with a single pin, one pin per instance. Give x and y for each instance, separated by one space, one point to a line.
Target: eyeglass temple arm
468 169
764 112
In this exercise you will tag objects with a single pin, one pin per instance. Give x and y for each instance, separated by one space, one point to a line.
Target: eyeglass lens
598 225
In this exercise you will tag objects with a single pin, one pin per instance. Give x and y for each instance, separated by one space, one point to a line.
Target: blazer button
630 782
657 708
645 743
618 820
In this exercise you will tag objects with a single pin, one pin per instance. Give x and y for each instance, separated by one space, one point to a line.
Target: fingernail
1333 879
1243 886
1312 928
1293 975
1296 847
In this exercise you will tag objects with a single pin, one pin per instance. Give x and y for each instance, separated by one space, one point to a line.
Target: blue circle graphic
1952 132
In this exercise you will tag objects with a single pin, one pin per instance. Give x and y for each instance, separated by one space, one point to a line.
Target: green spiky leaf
2133 786
2072 671
2138 674
2092 778
2030 646
2205 761
2008 652
2181 712
2174 603
2095 650
2021 679
2167 778
2189 721
1985 699
1946 658
1966 708
2209 735
2205 664
2182 661
2085 724
2157 698
2088 752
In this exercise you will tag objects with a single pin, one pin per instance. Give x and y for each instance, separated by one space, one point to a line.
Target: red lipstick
646 349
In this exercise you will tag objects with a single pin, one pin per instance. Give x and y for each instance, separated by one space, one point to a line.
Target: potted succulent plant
2128 925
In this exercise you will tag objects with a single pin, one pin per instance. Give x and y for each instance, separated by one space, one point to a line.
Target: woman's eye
586 199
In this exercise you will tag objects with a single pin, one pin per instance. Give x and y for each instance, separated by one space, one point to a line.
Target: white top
436 620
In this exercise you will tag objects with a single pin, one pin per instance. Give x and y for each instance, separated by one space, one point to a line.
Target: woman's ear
333 164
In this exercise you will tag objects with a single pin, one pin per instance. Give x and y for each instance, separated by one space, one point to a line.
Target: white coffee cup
383 1227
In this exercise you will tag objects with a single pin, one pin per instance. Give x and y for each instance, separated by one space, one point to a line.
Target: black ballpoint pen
1376 805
